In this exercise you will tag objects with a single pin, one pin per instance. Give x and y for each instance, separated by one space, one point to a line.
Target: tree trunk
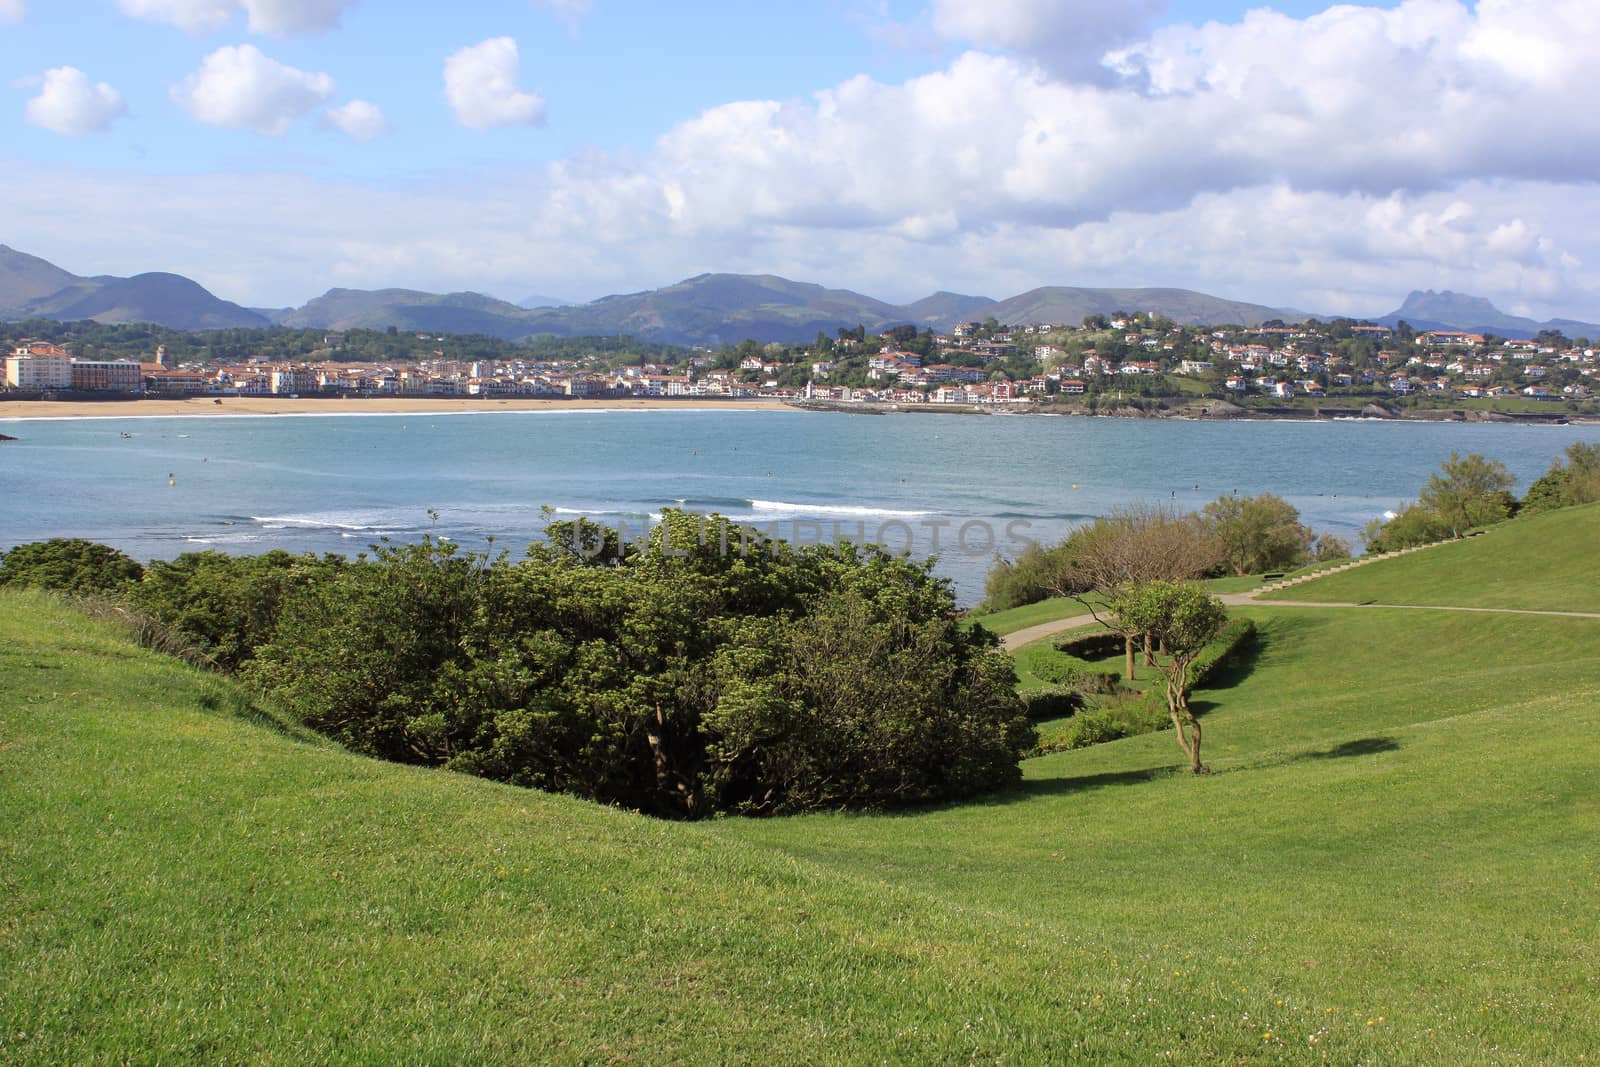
1182 737
1178 704
1127 641
1195 766
1149 654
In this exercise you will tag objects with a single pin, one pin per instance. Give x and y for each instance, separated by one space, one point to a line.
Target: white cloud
69 102
193 16
278 17
239 87
358 119
13 10
281 17
481 84
1069 37
1420 97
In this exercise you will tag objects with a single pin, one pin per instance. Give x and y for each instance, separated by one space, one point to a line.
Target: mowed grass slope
1547 562
1394 863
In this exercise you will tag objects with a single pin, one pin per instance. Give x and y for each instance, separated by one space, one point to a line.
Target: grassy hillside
1393 864
1546 562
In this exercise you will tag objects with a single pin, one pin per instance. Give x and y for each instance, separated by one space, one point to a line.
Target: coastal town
1125 358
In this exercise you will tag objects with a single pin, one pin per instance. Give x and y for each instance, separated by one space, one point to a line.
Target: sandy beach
274 405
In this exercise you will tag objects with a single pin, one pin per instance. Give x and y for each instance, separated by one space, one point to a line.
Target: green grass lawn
1548 562
1394 863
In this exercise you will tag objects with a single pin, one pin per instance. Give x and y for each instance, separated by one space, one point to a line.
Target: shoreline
19 411
1215 412
237 407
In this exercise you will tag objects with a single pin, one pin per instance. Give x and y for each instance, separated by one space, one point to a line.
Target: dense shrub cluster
1411 526
1568 484
1258 533
1467 492
227 605
69 565
710 671
1037 573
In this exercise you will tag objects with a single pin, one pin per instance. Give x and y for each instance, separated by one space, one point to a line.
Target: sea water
965 488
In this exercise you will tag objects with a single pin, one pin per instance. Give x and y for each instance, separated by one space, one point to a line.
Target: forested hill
91 340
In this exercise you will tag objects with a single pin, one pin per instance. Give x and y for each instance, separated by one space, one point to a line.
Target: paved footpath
1013 641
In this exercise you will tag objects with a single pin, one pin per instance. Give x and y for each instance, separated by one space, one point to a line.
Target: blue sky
614 78
1290 154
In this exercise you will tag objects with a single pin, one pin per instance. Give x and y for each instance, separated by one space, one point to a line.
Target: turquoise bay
965 486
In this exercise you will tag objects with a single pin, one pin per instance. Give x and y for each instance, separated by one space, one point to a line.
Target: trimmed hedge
1236 640
1051 702
1091 646
1075 674
1132 716
1127 717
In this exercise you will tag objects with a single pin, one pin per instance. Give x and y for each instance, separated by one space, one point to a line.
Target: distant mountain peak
1425 309
1428 302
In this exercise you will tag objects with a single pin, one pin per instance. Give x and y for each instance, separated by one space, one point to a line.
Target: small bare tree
1186 619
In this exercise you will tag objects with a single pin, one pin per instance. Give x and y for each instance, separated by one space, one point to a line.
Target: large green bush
1412 525
1258 533
681 679
1037 573
1569 484
69 565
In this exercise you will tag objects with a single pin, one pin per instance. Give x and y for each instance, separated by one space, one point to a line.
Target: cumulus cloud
1419 97
358 119
12 10
295 16
481 84
193 16
278 17
239 87
68 102
1069 37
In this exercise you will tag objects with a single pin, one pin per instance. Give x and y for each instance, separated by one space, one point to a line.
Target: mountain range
31 288
706 309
